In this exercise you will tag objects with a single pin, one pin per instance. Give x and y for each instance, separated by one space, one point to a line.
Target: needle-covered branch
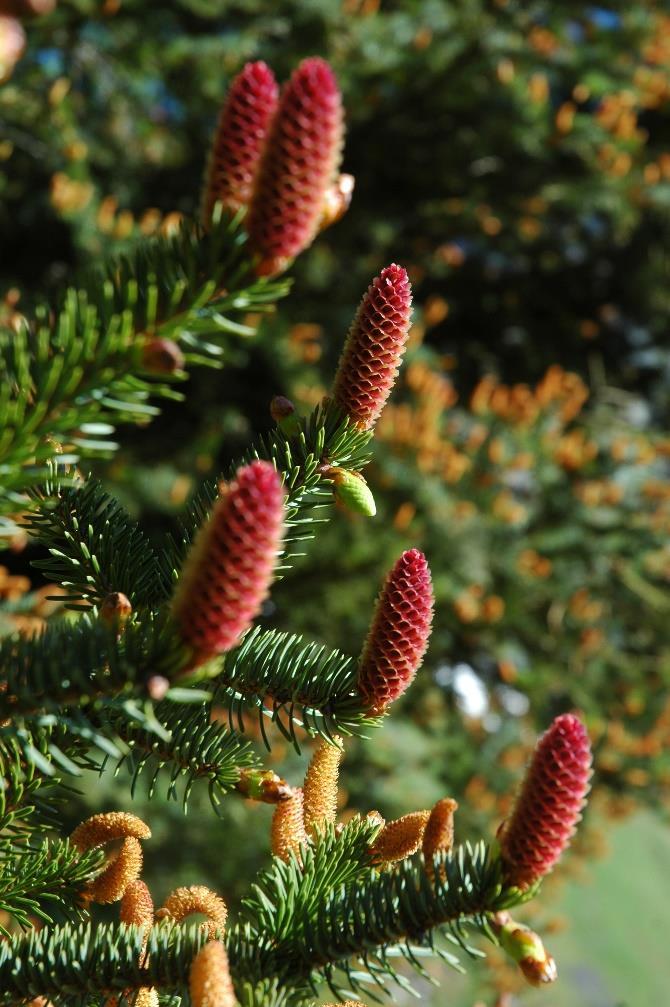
97 358
95 547
73 963
294 683
37 878
192 747
337 915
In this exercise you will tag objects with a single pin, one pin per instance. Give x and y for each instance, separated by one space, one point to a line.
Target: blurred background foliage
515 157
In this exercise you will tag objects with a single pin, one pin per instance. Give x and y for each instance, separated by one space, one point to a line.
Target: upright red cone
298 166
374 347
239 139
229 569
399 633
549 803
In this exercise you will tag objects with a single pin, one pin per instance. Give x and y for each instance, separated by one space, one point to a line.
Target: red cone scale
399 632
239 139
231 563
299 164
374 347
549 803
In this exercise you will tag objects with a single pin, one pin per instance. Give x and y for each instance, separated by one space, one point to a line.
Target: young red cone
299 164
374 347
229 569
239 139
549 803
399 632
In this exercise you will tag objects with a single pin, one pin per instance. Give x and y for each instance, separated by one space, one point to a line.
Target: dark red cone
239 139
399 632
299 164
549 803
229 569
374 347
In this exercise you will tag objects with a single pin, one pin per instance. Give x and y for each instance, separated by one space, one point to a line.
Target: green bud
526 948
263 785
352 491
520 942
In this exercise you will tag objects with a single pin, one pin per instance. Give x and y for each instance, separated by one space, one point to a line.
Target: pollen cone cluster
374 348
210 984
239 139
320 787
399 633
288 834
182 902
229 569
299 164
124 865
549 803
439 834
400 839
137 907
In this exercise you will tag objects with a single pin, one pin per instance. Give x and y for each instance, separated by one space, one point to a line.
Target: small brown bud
337 200
157 687
263 785
281 408
116 609
284 414
525 947
162 356
539 973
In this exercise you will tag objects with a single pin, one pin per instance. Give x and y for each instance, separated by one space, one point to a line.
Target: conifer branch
325 437
99 663
33 878
28 800
192 748
308 685
339 915
73 963
70 374
95 548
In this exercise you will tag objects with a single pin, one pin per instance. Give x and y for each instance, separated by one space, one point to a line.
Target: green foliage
34 878
190 747
73 373
79 961
95 548
336 917
305 680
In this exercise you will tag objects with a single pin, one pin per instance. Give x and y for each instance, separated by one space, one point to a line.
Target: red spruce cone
239 139
299 164
374 348
549 803
399 632
229 569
